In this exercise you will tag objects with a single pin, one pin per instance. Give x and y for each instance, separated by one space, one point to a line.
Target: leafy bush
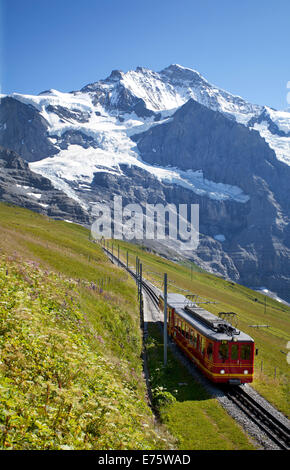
162 397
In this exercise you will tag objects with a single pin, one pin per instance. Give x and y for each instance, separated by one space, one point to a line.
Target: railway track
276 431
145 285
266 421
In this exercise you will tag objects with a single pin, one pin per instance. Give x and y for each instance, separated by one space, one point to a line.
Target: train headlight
246 372
222 371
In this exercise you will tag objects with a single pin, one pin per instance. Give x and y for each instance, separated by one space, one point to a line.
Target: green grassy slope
271 367
70 343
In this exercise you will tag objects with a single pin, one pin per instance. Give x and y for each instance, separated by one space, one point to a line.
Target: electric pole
140 288
165 319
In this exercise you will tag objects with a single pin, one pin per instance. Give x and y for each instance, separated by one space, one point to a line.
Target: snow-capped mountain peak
166 91
143 95
161 137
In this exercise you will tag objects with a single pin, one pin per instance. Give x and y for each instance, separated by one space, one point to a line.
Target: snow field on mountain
280 145
163 92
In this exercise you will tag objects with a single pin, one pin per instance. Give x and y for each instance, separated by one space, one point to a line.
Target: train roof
206 322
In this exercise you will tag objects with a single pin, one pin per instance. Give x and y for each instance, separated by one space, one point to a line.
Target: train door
234 358
224 354
246 357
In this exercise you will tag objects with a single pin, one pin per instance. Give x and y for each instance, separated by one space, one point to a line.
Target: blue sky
243 47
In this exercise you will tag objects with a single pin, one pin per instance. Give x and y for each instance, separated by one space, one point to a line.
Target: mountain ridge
108 138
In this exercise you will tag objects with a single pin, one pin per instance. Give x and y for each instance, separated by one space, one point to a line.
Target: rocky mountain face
24 130
160 137
256 233
227 151
20 186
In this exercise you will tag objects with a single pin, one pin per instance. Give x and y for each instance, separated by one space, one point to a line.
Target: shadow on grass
174 377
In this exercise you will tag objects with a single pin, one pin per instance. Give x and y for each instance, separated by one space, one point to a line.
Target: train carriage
223 353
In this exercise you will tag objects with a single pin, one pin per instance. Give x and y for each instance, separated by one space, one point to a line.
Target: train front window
223 351
235 351
246 352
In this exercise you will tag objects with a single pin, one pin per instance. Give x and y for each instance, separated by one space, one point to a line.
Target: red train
223 353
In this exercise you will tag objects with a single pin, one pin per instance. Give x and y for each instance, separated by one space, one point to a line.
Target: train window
234 351
202 345
199 342
194 339
209 351
184 329
224 351
246 352
191 336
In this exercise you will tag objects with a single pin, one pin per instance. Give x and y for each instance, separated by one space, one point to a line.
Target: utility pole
165 319
127 261
140 288
137 270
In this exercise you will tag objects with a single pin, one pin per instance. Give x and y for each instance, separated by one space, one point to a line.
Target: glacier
161 93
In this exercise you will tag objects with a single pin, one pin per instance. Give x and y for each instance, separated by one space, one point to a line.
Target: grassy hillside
70 343
271 367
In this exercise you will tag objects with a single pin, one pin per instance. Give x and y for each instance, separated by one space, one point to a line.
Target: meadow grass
71 373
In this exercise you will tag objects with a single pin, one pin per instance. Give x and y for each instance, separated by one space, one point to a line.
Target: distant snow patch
220 237
36 195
